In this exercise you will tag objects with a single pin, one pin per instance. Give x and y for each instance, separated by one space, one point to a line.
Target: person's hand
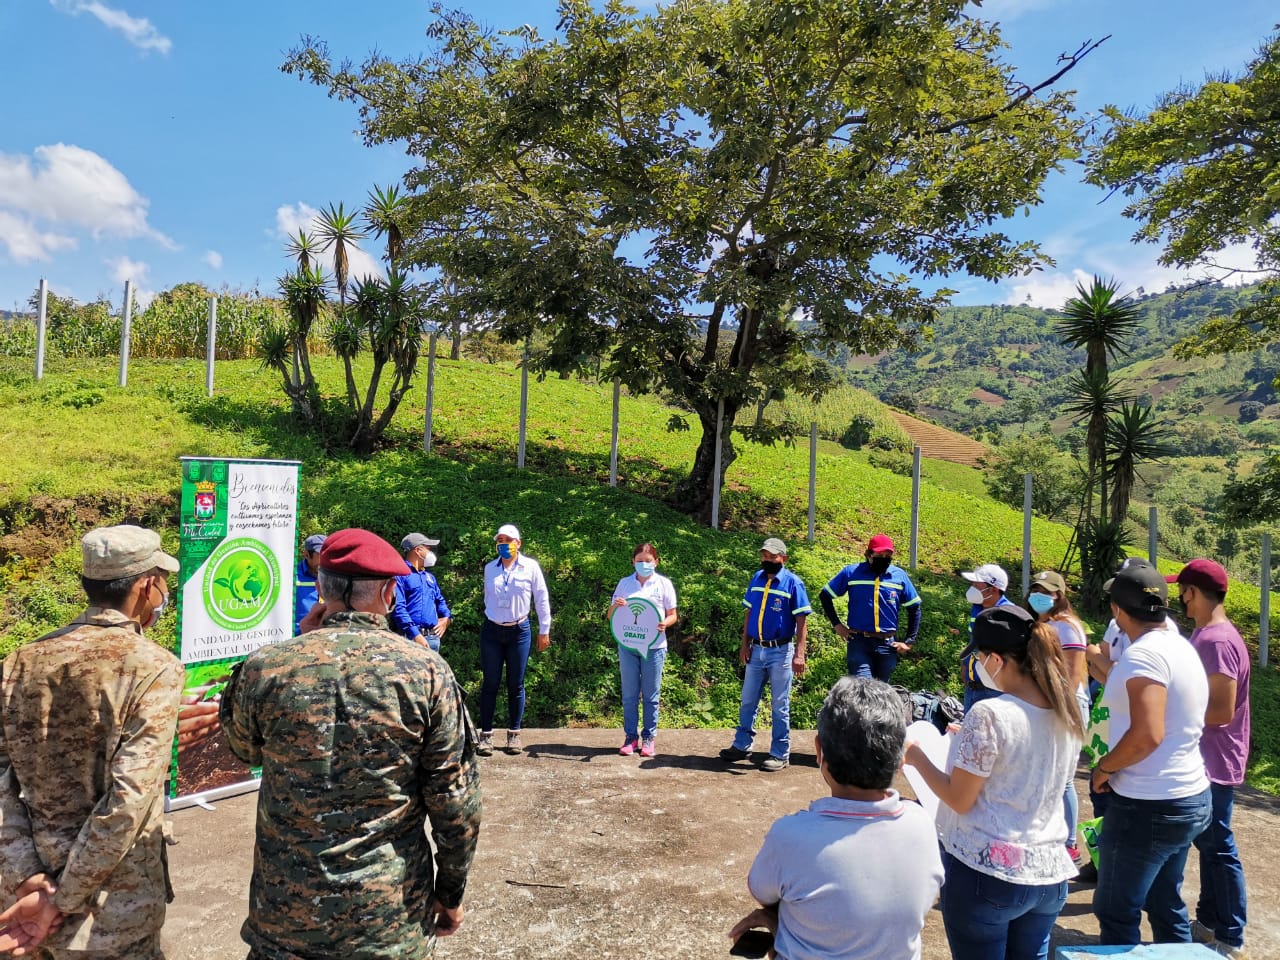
543 641
448 919
1101 780
798 665
420 640
313 618
617 602
26 924
438 630
197 721
765 917
744 652
899 646
912 754
842 631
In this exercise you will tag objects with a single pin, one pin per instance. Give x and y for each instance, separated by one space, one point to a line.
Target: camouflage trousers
148 949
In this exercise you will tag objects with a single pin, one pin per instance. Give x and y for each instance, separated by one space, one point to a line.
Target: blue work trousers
870 657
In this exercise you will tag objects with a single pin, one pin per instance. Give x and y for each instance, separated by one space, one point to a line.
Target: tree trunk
455 340
694 493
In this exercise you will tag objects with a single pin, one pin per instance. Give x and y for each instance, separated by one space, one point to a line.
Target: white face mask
429 560
973 595
988 679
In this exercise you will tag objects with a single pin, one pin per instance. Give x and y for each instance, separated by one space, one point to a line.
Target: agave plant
338 232
384 212
1134 437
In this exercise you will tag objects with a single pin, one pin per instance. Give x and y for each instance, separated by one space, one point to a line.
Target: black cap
1138 588
1001 628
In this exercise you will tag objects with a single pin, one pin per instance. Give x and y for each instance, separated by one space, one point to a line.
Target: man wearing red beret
362 736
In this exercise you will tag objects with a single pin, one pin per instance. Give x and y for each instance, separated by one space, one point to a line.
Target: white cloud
214 259
139 31
1232 266
26 242
122 269
66 184
292 217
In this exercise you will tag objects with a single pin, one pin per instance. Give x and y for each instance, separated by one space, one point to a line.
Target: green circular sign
635 626
241 583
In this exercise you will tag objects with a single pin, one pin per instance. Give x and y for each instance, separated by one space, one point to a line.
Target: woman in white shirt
642 675
1001 820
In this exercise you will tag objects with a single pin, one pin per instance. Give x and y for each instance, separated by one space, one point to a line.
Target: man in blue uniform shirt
420 612
304 584
777 610
881 596
987 586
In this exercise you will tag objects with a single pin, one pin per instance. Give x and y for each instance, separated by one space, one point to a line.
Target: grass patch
89 452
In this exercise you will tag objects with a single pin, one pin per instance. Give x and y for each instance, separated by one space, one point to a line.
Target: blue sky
159 142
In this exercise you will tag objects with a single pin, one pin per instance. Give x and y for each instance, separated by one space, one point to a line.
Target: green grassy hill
84 452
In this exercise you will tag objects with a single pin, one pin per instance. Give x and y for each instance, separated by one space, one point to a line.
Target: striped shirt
875 600
773 603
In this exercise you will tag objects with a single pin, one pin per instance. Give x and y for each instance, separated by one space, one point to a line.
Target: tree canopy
1202 170
705 195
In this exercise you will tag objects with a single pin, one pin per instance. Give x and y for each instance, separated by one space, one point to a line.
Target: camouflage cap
113 553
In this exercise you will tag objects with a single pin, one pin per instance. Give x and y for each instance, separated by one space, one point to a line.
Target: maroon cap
1202 573
360 555
879 543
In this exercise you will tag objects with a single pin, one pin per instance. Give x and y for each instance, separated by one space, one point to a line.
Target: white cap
508 530
989 573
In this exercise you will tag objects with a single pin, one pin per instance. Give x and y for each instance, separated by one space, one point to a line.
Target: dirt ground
586 855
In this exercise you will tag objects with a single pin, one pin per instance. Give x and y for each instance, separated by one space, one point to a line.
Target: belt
512 623
770 644
873 636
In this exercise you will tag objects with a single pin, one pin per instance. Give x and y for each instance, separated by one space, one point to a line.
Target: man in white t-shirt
1156 696
811 876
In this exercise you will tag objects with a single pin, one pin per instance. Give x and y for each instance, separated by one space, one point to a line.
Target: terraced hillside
938 442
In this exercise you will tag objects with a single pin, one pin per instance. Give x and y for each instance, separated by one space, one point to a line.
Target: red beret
360 554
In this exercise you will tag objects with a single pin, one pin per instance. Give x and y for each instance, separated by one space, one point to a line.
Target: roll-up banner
236 554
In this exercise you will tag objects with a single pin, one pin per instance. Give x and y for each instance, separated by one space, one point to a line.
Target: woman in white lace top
1001 819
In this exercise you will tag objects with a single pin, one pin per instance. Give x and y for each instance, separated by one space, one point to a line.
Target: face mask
505 551
771 567
973 595
988 679
879 564
157 613
429 560
1041 603
645 568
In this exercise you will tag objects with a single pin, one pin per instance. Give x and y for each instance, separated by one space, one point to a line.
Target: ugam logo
241 583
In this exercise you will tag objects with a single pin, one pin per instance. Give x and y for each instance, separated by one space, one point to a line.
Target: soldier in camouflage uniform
87 718
362 735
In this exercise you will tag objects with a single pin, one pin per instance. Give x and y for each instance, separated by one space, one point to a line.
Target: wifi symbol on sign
636 609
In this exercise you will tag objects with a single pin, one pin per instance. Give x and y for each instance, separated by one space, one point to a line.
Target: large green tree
714 184
1202 171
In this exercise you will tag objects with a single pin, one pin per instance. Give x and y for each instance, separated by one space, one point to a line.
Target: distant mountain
994 366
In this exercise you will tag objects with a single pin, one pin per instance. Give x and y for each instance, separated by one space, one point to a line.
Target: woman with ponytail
1049 604
1001 819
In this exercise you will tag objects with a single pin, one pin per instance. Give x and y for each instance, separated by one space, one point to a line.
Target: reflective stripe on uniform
765 591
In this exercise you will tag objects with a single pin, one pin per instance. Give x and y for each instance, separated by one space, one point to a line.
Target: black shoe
733 754
1088 873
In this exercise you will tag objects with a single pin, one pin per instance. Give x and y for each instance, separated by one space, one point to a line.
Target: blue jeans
1141 853
772 664
1222 893
869 657
987 918
641 683
501 646
432 640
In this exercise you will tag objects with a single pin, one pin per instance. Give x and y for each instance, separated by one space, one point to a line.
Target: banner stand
237 554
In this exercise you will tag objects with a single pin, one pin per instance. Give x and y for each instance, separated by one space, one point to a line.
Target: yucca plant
338 232
1134 436
384 212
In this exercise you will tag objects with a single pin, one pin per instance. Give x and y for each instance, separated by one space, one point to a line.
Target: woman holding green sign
641 654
